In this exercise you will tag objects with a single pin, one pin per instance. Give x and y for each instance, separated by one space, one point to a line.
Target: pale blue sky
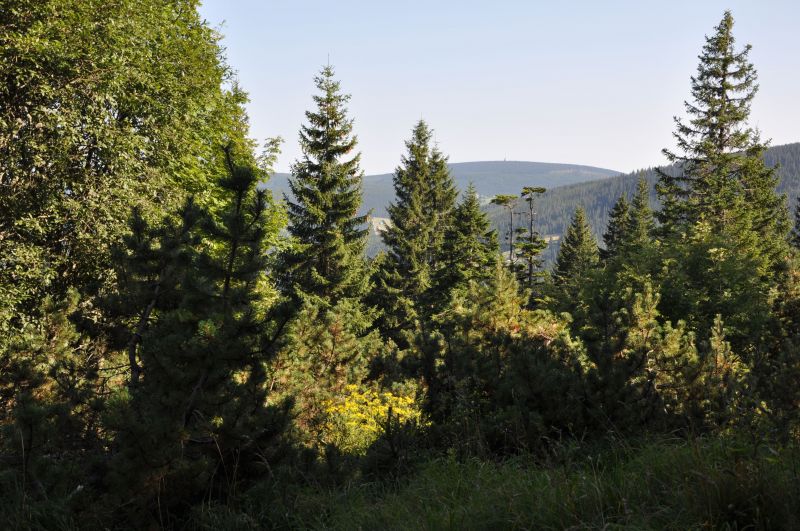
584 82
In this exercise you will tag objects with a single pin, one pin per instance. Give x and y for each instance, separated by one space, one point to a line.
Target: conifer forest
183 348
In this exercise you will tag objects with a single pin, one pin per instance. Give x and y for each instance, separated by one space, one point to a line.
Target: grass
657 485
665 484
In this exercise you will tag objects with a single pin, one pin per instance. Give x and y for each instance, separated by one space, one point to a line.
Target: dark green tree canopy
578 255
470 250
640 224
170 359
617 229
198 373
103 107
421 217
327 258
725 227
723 178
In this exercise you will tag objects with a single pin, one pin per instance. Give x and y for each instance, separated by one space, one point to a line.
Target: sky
579 82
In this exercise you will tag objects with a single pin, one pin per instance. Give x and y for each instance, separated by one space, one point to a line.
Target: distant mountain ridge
568 186
556 206
489 177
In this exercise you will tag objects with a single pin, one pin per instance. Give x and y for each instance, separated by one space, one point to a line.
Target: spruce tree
571 287
326 259
470 250
795 235
629 266
637 259
723 225
640 218
578 255
723 179
616 229
420 219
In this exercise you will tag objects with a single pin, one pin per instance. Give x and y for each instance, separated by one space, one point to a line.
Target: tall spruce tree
327 258
724 226
616 229
723 179
420 219
578 255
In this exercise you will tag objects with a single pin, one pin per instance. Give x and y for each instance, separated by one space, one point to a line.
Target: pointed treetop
329 133
327 260
715 142
421 214
578 254
641 223
617 228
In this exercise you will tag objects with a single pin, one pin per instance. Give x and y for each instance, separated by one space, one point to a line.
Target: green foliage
578 254
616 228
795 234
726 226
469 252
422 219
724 177
530 244
649 485
325 350
508 202
49 412
597 197
640 222
197 421
326 258
657 365
719 273
778 376
188 367
578 257
508 377
104 107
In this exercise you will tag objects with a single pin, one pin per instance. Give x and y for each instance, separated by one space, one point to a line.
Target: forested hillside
597 196
556 206
489 178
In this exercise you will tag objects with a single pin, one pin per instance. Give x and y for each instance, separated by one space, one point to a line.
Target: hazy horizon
583 83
